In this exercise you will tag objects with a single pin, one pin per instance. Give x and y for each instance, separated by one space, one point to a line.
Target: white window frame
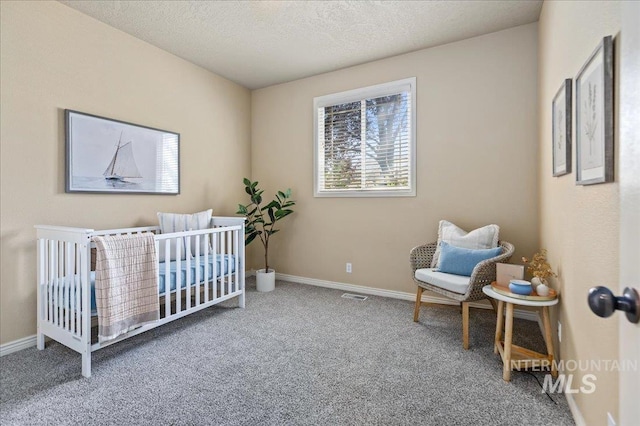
360 94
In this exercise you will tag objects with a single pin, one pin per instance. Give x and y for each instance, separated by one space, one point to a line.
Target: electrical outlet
559 332
348 268
610 420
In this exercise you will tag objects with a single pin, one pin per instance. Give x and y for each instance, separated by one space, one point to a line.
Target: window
365 142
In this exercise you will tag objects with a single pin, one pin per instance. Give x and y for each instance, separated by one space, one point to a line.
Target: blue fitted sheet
225 264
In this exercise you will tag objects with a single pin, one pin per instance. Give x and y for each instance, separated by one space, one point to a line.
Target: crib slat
56 283
68 281
236 268
52 281
158 272
47 279
197 288
61 284
70 273
214 273
223 264
178 277
53 253
75 301
61 254
227 261
167 278
223 252
206 270
187 250
54 271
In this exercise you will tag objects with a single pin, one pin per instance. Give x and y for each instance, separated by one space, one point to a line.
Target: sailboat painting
123 164
111 156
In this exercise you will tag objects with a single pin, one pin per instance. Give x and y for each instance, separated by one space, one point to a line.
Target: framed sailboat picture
112 156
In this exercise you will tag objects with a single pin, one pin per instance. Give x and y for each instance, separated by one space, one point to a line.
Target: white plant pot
265 281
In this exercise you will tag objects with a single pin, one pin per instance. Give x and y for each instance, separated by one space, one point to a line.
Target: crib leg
86 362
241 300
40 340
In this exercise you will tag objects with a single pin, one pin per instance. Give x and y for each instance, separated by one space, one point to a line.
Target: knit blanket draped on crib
126 285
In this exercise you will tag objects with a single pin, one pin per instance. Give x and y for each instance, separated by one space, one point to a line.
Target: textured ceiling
261 43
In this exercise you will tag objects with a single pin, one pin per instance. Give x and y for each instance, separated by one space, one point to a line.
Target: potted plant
261 221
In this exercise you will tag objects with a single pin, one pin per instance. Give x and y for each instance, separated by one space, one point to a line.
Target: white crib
187 285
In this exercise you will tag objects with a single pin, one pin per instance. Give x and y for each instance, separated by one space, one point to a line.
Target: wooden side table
514 356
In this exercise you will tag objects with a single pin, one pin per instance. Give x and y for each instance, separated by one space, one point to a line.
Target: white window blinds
365 141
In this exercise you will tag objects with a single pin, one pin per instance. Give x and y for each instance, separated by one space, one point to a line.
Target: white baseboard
17 345
518 313
575 411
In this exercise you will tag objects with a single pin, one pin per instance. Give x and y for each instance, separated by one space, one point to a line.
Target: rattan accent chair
484 273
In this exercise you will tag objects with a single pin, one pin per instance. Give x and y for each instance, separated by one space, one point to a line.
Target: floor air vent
354 297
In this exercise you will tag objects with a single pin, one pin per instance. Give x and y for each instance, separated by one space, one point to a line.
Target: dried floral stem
538 266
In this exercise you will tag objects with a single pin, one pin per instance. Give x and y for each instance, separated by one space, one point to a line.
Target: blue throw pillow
461 261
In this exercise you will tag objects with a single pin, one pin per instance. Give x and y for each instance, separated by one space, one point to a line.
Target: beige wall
579 225
477 160
54 58
483 104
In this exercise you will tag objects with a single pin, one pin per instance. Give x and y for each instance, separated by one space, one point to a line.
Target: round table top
495 295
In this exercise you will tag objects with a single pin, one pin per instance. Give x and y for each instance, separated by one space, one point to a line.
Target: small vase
542 290
535 282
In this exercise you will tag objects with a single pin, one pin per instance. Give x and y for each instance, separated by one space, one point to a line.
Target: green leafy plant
261 218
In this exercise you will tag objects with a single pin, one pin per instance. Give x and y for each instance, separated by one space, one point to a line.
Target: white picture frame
594 117
561 129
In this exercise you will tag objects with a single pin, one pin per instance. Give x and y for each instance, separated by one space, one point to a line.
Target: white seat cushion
450 282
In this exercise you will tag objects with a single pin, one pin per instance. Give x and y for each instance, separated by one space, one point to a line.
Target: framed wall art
594 117
112 156
561 112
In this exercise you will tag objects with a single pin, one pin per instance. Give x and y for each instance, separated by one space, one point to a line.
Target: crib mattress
225 264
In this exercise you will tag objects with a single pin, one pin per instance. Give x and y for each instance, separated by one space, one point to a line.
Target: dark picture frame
104 155
561 128
594 117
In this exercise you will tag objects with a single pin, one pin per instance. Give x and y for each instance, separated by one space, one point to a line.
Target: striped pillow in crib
177 222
